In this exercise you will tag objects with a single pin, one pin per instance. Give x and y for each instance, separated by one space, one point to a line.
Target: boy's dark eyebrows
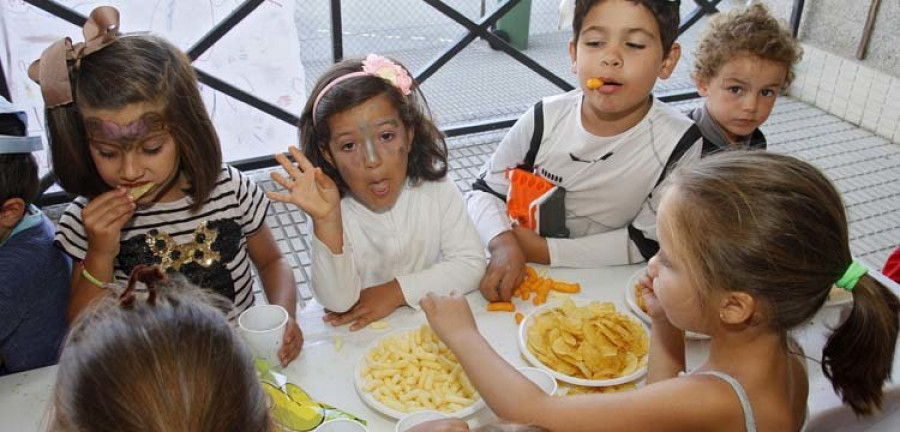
643 31
627 31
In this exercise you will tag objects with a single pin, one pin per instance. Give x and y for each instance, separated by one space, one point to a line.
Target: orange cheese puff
519 318
594 83
565 287
501 307
530 272
545 286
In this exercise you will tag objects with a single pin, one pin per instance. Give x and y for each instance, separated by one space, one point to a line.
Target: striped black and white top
209 246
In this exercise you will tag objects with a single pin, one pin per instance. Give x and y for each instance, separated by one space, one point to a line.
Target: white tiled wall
861 95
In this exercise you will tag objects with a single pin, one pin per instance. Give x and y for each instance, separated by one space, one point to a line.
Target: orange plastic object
501 307
524 187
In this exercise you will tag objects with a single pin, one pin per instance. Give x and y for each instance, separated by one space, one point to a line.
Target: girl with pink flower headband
387 226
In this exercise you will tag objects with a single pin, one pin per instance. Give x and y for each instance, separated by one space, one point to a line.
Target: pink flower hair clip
374 65
393 73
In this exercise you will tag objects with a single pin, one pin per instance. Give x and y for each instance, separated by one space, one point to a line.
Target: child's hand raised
450 316
310 188
104 216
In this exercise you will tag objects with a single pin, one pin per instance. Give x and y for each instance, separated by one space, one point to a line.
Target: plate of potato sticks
411 370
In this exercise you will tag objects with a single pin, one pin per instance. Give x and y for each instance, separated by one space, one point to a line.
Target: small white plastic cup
543 379
341 425
417 418
262 327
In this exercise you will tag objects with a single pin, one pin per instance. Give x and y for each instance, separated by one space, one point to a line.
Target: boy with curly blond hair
744 60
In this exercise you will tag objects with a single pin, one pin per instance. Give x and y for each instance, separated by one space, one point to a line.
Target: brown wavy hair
135 69
774 227
163 361
666 13
428 155
749 31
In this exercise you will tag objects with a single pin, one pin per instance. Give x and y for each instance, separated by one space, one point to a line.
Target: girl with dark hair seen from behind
386 225
129 135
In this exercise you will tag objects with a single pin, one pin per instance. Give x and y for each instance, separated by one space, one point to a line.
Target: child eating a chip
130 136
742 63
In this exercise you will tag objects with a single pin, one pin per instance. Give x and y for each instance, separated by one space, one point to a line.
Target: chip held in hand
137 192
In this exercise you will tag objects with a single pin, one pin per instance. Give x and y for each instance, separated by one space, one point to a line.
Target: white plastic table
328 374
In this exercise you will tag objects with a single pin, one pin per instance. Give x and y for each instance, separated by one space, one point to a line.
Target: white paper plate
523 347
375 404
631 300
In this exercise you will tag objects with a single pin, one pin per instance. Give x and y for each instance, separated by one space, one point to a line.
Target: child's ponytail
859 354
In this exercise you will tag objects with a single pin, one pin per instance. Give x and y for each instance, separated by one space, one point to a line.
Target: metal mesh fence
479 83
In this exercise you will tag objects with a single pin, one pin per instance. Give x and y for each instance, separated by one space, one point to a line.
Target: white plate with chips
632 301
637 373
393 412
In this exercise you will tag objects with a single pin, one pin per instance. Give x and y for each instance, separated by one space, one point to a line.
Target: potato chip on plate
635 302
585 343
411 370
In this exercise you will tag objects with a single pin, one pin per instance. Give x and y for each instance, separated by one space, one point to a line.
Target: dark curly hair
751 31
428 156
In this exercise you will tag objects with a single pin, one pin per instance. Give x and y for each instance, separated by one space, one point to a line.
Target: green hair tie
851 276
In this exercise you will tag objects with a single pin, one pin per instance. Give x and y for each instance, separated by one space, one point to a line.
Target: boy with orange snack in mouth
607 143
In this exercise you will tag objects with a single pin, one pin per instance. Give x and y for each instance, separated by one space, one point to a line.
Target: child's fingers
285 182
363 321
280 197
344 318
111 216
289 167
490 283
302 161
103 200
507 285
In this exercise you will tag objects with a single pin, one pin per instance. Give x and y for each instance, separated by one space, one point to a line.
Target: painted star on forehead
174 256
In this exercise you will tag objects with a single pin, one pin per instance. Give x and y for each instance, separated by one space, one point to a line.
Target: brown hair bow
51 71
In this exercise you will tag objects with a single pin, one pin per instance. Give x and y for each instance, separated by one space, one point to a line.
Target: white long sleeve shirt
426 241
603 197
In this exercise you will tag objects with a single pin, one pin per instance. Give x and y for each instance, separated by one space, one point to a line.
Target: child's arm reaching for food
516 399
